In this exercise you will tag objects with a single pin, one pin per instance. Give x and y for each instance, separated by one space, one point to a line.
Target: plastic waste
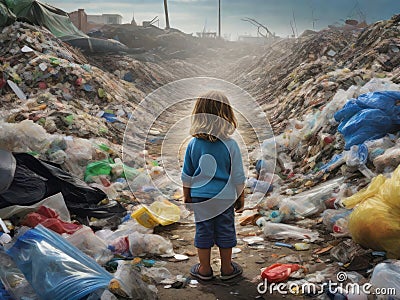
157 274
310 202
85 240
55 269
380 200
389 160
20 94
5 238
123 230
369 117
15 283
25 136
140 243
284 231
55 202
158 213
97 168
357 157
331 216
128 283
387 275
79 153
279 272
49 219
258 185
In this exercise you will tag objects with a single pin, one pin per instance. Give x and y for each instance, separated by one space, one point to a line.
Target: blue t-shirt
213 169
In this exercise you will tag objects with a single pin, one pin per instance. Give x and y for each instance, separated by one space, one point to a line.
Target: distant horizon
192 16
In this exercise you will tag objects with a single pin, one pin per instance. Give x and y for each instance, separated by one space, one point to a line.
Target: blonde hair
213 117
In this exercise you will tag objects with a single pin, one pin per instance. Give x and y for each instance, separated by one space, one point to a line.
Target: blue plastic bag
369 117
56 269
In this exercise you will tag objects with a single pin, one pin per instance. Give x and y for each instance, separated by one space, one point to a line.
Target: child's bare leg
204 258
226 260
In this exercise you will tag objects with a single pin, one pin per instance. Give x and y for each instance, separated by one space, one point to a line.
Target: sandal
194 271
237 271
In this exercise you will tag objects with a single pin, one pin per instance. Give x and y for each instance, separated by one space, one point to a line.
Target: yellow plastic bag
158 213
375 221
365 193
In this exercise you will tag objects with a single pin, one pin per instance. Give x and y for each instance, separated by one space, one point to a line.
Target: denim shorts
219 230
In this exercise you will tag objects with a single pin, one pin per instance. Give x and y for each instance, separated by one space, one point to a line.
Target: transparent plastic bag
55 269
149 244
387 275
284 231
123 230
85 240
55 202
127 283
14 281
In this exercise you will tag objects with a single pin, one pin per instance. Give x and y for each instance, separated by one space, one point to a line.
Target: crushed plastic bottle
284 231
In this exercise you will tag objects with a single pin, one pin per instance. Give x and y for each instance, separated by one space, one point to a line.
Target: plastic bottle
284 231
5 238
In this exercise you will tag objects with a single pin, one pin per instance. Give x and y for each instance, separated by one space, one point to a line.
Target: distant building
105 19
79 19
87 22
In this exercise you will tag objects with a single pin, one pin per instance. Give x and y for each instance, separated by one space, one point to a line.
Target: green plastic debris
69 120
97 168
101 93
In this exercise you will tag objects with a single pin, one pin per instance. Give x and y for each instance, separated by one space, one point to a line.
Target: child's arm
186 195
239 204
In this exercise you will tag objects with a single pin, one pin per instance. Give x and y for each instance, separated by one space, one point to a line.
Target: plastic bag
149 244
123 230
310 202
85 240
14 281
128 283
284 231
79 153
387 275
158 213
389 160
374 222
55 269
369 117
331 216
55 202
25 136
279 272
102 167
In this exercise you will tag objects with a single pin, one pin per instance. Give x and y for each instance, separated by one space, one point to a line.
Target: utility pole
219 18
166 15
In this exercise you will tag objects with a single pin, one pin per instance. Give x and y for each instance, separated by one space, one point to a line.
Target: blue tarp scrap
369 117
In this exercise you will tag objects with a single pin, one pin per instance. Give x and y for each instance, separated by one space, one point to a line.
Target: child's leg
204 258
226 260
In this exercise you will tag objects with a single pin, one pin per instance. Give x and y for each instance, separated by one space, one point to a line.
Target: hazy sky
192 15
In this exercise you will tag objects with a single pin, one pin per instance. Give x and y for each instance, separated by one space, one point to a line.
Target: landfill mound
65 93
295 80
305 73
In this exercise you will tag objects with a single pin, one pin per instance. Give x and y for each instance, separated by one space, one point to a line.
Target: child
213 181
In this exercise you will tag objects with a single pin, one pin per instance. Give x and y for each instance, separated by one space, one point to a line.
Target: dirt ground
251 258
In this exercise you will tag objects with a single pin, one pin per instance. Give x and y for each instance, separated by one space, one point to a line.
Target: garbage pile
146 75
334 191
